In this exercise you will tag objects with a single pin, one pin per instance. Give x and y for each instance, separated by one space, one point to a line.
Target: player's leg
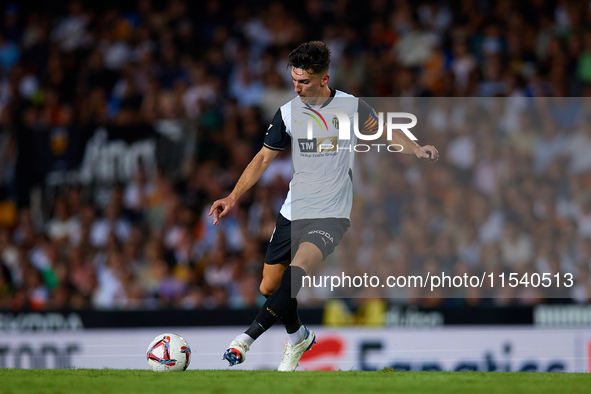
318 240
283 298
272 274
314 246
278 303
307 256
277 260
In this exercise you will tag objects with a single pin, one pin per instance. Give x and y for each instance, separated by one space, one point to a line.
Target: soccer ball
169 353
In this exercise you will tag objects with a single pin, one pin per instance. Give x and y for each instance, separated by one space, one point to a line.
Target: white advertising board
467 348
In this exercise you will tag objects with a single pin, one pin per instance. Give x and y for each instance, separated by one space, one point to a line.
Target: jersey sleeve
367 117
277 137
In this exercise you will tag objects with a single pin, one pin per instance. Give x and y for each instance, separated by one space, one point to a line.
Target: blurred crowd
509 193
510 196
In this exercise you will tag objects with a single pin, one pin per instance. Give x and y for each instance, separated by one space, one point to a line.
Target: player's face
308 86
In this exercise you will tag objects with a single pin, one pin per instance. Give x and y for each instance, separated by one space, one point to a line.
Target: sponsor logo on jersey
315 145
323 234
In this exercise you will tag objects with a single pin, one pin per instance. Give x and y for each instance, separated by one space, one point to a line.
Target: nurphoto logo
340 121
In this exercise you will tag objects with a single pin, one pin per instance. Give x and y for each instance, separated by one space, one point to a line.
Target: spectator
112 222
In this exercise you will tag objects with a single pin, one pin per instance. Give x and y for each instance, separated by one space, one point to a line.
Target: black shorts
288 235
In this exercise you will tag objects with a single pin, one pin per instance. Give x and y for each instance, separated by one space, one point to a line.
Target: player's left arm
408 146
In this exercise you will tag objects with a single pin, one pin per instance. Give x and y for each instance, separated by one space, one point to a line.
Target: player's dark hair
310 56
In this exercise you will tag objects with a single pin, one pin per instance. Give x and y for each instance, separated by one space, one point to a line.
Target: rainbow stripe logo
316 119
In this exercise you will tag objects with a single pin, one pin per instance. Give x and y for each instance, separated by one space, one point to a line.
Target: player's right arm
276 139
249 177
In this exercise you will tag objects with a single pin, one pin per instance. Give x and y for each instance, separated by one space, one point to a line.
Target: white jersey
321 185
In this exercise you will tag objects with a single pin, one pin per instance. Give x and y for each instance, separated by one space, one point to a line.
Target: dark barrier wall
396 317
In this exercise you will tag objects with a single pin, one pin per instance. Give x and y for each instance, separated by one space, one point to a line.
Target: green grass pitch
260 382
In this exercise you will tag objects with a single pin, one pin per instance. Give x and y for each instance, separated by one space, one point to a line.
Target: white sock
297 336
246 337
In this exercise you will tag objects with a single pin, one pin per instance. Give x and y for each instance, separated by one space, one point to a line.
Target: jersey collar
328 101
332 94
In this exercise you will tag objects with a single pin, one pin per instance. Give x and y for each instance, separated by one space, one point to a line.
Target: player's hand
427 152
220 208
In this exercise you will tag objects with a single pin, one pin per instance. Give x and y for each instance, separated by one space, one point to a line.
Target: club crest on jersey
335 122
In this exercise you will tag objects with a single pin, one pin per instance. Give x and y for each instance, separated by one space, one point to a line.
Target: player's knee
265 289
